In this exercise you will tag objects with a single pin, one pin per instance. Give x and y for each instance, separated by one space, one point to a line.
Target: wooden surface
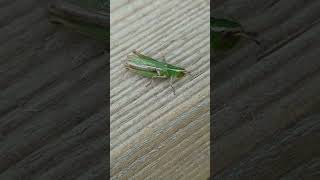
52 98
154 134
266 122
265 102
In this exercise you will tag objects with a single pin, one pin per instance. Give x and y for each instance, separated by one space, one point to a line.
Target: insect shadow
226 33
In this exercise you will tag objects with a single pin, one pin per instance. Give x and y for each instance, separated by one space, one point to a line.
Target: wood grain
154 134
52 89
266 100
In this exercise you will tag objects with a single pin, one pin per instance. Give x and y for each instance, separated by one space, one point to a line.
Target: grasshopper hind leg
125 72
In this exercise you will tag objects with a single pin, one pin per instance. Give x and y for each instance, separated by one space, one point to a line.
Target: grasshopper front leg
171 80
150 83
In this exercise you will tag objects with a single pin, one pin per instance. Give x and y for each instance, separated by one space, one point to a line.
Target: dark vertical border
108 95
44 127
211 100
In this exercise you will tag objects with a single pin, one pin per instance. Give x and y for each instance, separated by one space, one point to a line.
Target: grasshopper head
181 74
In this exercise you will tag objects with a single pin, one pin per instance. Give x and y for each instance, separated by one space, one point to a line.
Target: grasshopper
226 33
153 68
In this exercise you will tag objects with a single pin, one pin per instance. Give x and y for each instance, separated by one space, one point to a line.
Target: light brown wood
154 134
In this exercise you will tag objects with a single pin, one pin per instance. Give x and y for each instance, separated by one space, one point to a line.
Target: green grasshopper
226 33
88 17
152 68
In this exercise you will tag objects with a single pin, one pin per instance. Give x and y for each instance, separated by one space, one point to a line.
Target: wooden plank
307 170
263 96
279 154
155 134
52 108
